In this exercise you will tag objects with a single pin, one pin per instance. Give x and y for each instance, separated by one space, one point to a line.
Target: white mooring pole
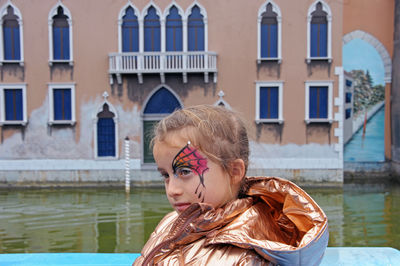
127 167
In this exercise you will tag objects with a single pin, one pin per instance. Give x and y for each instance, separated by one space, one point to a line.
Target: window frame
275 9
121 15
329 85
67 13
3 120
259 85
153 117
51 88
116 130
3 12
327 10
174 37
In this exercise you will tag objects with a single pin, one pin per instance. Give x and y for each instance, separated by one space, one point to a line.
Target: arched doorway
162 102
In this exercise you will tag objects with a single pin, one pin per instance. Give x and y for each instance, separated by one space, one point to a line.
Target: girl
221 216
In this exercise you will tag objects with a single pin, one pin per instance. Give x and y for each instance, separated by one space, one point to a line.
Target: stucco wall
232 34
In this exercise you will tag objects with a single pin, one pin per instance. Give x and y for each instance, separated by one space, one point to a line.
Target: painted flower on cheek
190 158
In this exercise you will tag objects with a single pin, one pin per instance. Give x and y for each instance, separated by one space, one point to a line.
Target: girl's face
189 176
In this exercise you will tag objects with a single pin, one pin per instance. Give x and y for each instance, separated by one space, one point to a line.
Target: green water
105 220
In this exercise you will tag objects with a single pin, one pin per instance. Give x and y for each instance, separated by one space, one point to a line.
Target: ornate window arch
196 17
269 32
129 24
152 29
319 32
174 28
105 124
60 35
11 34
161 102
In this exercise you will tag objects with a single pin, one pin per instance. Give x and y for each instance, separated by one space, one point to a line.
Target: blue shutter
269 40
264 40
7 35
263 102
274 102
57 43
314 40
105 137
323 39
273 41
269 102
313 104
162 102
17 45
323 102
152 32
67 105
58 104
65 41
174 31
196 38
318 102
62 104
130 32
13 104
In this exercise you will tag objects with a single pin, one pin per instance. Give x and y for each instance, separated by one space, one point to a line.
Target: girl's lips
180 207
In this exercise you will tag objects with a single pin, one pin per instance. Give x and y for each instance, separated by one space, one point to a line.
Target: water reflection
100 220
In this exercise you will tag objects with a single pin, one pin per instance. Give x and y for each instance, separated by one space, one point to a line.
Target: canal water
108 221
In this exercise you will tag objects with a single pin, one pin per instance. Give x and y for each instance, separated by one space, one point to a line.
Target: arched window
152 31
61 49
196 32
269 33
319 31
130 31
174 33
11 35
106 133
161 103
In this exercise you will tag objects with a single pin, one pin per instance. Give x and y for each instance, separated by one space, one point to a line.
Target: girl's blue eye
183 172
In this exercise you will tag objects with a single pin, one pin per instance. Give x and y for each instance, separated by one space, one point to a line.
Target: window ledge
328 59
62 122
6 123
70 62
269 121
107 158
20 62
318 120
269 59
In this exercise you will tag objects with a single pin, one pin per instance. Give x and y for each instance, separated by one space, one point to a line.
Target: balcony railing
163 62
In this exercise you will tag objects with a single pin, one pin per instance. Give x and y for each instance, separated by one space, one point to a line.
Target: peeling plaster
41 142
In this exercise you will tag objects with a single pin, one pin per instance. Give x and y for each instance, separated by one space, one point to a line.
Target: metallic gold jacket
272 222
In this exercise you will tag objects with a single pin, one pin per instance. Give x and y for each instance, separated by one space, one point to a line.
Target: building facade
81 81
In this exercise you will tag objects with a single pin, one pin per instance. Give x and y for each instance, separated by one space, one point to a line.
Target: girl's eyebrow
160 169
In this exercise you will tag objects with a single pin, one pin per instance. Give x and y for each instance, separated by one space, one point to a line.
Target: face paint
190 158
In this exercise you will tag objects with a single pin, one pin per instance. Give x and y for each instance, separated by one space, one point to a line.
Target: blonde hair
216 131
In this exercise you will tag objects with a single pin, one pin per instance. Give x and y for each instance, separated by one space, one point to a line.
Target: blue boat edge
333 256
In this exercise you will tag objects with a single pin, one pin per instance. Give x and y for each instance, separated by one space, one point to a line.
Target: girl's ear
237 171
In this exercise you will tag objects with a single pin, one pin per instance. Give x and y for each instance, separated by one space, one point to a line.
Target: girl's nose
174 187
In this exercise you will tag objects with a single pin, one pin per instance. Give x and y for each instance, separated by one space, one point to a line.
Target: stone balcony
163 63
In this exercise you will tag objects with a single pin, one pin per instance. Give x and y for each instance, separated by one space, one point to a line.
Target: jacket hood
272 216
272 213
